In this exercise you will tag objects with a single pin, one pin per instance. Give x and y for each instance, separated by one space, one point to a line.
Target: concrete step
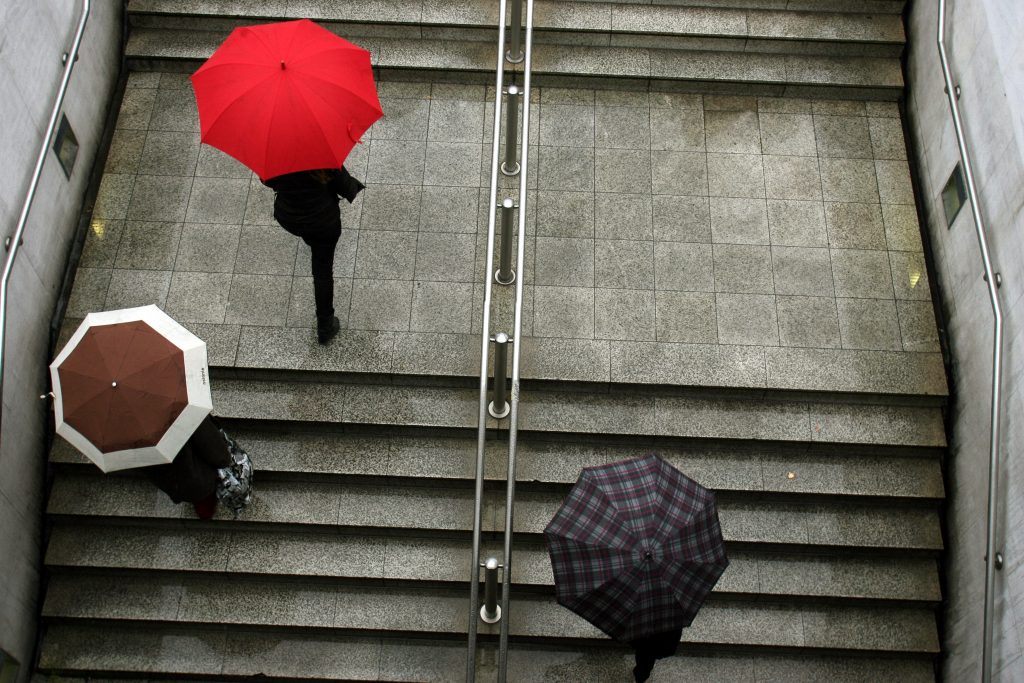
748 73
312 455
233 600
432 509
645 412
674 27
77 648
435 562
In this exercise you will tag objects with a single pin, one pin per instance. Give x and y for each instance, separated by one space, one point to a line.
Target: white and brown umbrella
130 388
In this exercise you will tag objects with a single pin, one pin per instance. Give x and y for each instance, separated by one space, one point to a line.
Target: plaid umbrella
636 548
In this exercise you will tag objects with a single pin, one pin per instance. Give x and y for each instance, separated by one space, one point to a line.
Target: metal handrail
517 338
992 557
485 339
14 242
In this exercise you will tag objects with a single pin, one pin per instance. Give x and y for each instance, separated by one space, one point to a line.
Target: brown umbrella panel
123 386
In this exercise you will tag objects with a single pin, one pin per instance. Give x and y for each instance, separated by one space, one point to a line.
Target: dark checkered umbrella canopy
636 548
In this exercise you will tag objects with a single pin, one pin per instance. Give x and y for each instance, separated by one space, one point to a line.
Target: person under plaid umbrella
636 548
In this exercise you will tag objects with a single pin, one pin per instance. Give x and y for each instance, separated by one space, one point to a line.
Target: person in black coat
192 475
648 650
306 205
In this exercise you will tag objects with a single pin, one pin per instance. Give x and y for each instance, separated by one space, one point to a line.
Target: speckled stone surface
674 241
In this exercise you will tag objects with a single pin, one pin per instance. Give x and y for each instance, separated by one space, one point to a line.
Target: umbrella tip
282 65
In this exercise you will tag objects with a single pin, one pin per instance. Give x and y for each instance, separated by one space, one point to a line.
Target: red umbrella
286 97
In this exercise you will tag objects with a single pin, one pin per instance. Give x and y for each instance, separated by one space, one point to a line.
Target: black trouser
322 246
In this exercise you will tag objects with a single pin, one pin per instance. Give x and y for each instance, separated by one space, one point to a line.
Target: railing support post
490 611
499 406
515 49
504 275
510 166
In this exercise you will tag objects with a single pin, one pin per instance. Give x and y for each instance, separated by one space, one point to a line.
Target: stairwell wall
987 61
33 37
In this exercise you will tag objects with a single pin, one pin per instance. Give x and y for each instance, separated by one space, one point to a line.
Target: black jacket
192 476
307 201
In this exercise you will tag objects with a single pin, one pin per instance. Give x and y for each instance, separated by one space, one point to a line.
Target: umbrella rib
219 115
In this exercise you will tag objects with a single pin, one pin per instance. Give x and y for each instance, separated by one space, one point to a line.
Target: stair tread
368 557
429 508
575 16
229 599
560 60
753 469
238 652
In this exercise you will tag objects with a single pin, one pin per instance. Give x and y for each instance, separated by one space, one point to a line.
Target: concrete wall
33 36
987 60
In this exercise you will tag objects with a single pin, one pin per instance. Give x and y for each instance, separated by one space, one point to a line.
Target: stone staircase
352 562
826 49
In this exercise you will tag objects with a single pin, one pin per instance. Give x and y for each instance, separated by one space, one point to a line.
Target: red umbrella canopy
123 386
285 97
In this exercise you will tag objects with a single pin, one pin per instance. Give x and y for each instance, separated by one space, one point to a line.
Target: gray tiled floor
652 217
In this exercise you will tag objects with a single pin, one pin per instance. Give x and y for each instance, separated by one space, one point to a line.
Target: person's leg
322 262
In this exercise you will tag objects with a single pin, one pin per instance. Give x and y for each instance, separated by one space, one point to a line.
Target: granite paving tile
148 246
622 127
792 177
917 326
904 579
848 180
221 341
681 219
808 321
174 110
887 138
451 164
679 173
902 231
208 248
739 221
380 305
284 503
803 271
617 169
624 264
265 250
217 200
894 186
301 309
397 162
566 125
677 129
114 196
679 266
130 288
572 214
736 175
168 153
156 198
685 317
566 169
437 354
259 205
413 559
742 268
258 299
379 608
797 223
624 314
216 164
136 108
125 151
854 226
198 297
394 208
417 659
862 273
786 133
442 307
842 136
747 319
869 324
862 475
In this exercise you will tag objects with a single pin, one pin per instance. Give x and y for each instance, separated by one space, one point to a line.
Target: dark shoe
326 329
